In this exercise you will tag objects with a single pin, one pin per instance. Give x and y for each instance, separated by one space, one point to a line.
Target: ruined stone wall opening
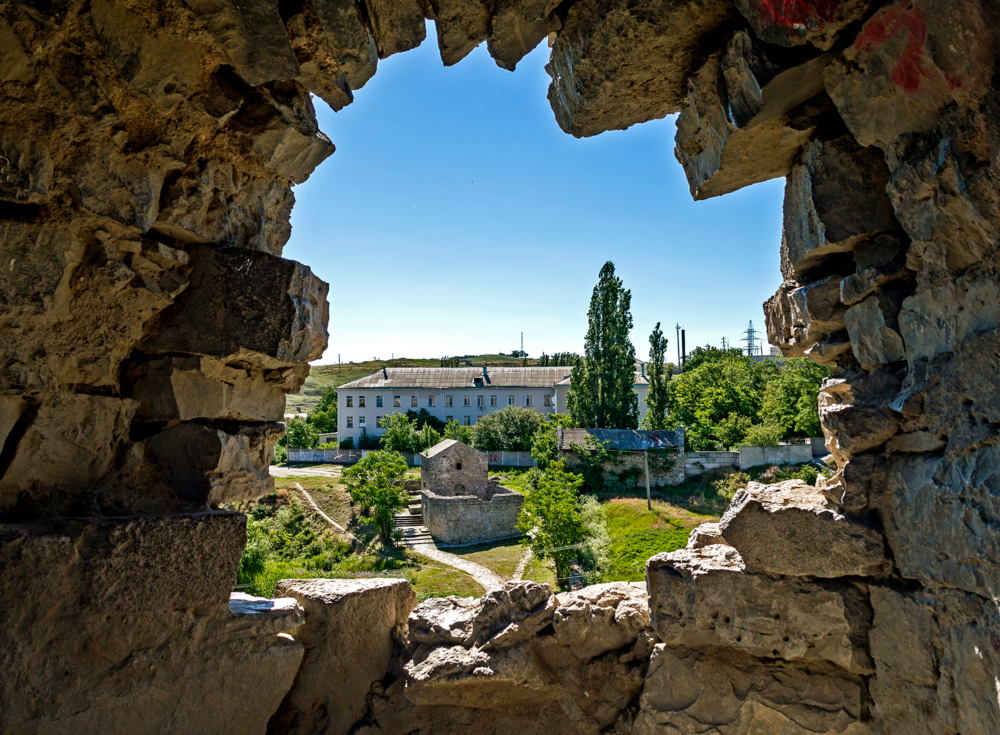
151 331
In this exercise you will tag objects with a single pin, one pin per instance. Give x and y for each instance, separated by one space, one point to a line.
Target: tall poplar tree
601 391
656 394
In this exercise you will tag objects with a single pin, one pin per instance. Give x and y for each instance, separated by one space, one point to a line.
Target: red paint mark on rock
798 14
913 69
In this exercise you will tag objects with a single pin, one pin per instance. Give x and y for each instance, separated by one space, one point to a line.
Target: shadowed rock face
149 329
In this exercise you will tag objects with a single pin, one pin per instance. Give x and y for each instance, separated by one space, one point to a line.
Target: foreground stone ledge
722 691
124 625
789 528
352 628
704 597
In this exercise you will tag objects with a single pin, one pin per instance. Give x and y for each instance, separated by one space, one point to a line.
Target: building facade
464 394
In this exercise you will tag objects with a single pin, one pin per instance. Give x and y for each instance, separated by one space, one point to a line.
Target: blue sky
455 214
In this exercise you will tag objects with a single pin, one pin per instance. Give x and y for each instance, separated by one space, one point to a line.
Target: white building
463 394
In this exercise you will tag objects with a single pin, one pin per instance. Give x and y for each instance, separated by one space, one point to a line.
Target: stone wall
633 462
468 519
457 469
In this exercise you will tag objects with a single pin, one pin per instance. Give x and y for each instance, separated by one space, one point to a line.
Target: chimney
684 352
485 374
385 373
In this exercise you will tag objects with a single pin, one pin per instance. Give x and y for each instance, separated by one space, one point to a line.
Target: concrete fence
341 456
781 454
697 462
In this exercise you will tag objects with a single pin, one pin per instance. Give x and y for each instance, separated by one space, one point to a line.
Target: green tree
375 484
656 394
427 437
458 432
551 518
324 416
544 446
400 434
423 418
791 397
301 434
601 391
509 430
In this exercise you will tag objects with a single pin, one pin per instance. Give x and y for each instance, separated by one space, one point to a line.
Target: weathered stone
253 37
799 317
704 597
745 120
789 528
791 23
723 691
281 614
932 201
443 620
937 514
616 63
835 198
879 261
461 26
873 326
25 164
910 60
398 25
268 311
351 630
191 388
511 614
601 618
860 479
936 662
704 535
512 35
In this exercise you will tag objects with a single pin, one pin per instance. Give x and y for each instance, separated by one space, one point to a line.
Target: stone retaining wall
465 519
625 461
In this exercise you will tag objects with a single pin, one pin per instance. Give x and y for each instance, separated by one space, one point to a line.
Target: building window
378 421
493 400
361 422
529 400
378 401
448 401
350 422
458 465
546 400
395 402
350 401
361 401
479 401
467 400
468 421
413 401
510 400
430 401
449 418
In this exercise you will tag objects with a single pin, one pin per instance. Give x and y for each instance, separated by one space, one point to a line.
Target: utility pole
522 344
677 342
724 346
645 464
752 341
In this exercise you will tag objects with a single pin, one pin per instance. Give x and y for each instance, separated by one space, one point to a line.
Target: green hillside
330 376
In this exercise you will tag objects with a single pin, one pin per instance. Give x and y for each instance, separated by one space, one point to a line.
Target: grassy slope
330 376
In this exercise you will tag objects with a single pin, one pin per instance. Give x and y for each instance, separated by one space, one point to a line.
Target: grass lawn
500 557
637 534
433 579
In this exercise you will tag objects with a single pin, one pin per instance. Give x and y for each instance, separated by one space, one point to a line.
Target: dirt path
417 539
323 515
522 565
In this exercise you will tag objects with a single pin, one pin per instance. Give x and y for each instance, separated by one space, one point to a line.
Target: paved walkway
416 538
321 470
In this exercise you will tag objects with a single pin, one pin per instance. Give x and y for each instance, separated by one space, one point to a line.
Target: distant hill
330 376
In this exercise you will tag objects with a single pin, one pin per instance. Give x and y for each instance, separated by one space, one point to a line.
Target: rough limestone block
270 311
808 320
252 35
398 25
704 597
601 618
851 429
937 512
461 26
727 691
706 534
936 662
744 120
617 63
873 326
910 60
512 36
123 625
932 201
191 388
27 167
789 528
352 628
790 23
834 199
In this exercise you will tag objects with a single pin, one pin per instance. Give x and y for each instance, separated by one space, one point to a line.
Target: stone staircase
411 522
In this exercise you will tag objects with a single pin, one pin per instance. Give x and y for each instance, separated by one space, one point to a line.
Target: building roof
622 440
462 377
439 447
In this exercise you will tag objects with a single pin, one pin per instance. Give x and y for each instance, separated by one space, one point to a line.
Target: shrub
347 443
509 430
301 434
596 555
368 441
280 454
762 435
458 432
